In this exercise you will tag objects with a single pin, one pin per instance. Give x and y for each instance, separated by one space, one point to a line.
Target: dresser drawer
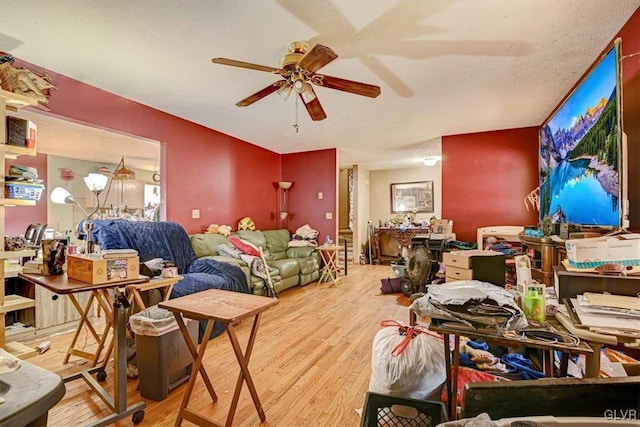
456 260
458 273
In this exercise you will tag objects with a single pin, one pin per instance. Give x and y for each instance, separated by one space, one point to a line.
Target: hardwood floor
311 361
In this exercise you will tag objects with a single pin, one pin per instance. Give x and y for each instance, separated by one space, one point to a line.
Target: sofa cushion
308 264
256 238
300 252
206 244
277 242
286 267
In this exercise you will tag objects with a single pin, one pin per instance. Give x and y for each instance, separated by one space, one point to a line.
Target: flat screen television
580 150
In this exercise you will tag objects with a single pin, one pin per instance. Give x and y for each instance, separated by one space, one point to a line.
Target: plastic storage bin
390 411
164 360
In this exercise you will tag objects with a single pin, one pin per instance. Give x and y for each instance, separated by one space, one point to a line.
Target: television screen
579 151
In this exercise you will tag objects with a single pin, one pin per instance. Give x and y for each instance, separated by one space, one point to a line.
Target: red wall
485 178
224 177
630 34
18 218
312 172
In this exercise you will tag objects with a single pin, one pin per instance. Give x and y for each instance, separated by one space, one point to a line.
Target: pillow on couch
244 246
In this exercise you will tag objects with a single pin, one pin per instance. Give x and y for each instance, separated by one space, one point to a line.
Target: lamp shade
96 181
122 172
61 196
285 185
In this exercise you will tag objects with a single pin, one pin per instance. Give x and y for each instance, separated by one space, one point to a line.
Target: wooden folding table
229 308
330 271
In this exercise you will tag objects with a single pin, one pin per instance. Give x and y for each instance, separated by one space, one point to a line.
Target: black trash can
163 358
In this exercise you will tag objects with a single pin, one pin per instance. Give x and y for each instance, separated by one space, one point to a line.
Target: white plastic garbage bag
409 364
153 321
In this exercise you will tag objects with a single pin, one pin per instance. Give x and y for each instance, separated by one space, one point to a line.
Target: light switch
328 215
195 213
320 195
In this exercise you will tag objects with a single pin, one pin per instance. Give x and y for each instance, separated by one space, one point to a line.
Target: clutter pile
25 82
304 236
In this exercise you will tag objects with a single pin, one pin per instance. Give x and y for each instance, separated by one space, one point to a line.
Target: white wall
380 190
361 216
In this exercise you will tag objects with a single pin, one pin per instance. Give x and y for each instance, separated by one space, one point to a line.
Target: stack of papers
609 314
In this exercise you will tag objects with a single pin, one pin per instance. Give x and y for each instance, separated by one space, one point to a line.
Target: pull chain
295 125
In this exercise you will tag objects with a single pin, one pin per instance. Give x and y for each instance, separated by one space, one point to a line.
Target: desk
330 271
457 329
229 308
115 316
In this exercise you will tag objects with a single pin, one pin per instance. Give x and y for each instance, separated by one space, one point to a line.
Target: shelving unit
11 303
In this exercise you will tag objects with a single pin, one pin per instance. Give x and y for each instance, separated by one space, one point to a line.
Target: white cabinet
119 193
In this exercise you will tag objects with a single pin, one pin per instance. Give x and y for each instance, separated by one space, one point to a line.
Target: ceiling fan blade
261 94
317 58
345 85
314 108
241 64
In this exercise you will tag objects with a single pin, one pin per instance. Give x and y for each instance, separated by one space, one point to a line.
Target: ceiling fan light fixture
308 94
299 85
284 91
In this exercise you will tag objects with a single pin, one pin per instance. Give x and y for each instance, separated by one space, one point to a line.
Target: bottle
327 240
533 305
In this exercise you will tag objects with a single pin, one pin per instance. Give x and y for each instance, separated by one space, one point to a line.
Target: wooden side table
229 308
330 271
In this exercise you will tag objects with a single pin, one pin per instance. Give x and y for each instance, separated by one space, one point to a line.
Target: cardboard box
590 253
98 271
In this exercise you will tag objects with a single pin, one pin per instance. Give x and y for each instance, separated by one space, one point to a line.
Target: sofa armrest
300 252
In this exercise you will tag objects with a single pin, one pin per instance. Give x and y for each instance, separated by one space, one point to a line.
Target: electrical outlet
320 195
328 215
195 213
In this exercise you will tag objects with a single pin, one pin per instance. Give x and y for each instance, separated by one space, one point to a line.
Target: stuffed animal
212 229
225 230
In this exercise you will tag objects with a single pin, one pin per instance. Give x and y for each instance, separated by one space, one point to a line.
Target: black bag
391 285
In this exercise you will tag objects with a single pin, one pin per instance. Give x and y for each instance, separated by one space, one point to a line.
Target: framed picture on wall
412 197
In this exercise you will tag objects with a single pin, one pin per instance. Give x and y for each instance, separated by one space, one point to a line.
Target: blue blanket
169 241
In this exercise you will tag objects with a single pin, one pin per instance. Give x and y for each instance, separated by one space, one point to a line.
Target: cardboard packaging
98 271
589 253
21 132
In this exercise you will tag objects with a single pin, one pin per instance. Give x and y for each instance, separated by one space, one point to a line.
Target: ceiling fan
298 71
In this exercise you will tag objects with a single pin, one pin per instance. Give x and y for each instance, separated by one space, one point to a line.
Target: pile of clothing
304 236
477 355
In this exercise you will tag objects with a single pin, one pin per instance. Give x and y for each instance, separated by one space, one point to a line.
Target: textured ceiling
444 67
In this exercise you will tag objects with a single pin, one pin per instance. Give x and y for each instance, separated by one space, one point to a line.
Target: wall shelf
13 302
16 302
17 202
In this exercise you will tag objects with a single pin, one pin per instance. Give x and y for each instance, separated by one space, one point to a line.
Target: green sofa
289 267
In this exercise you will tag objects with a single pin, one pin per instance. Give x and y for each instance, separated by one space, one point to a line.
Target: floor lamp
284 187
96 182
